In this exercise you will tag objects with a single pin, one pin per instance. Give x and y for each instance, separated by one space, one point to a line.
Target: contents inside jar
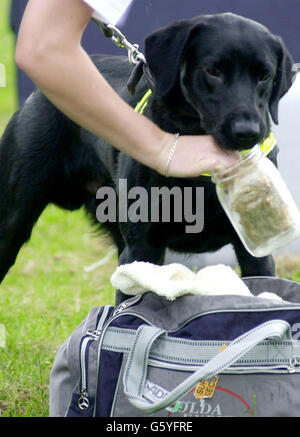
262 212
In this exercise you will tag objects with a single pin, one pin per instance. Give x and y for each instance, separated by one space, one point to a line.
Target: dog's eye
214 72
264 76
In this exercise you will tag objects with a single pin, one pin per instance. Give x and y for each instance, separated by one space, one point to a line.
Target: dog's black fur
214 74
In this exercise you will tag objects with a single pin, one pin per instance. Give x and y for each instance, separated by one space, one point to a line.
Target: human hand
193 155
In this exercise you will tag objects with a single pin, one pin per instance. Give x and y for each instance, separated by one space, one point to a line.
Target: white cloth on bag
109 11
175 280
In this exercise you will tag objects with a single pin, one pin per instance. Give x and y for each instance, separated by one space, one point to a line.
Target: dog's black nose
245 133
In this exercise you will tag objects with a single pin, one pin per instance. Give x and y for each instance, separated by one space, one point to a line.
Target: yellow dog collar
266 146
140 107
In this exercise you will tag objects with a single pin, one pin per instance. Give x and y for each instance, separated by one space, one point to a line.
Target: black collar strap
139 70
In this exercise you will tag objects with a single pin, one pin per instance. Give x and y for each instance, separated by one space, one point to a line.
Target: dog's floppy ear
164 51
283 80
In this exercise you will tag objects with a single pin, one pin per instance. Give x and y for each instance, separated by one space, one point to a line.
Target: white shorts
109 11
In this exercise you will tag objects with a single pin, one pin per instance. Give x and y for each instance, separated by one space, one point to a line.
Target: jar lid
224 174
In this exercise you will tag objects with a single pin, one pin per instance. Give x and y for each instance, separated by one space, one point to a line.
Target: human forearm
66 75
49 51
74 85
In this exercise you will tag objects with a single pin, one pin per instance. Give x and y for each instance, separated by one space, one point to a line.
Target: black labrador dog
212 74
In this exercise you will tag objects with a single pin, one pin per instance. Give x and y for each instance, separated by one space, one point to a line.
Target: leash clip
117 37
135 57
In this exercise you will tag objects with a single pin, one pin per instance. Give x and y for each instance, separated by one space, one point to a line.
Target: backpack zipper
128 303
190 319
88 339
83 401
294 365
120 308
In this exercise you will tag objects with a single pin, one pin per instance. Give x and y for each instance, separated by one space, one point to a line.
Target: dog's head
230 71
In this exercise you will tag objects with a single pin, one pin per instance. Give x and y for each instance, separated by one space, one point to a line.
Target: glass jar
258 203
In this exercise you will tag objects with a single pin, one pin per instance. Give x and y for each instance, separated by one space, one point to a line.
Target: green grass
42 299
8 95
47 293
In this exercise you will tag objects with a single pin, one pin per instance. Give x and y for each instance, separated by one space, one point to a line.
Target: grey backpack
196 356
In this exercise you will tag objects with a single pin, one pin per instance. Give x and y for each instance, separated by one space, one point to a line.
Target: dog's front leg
142 252
252 266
